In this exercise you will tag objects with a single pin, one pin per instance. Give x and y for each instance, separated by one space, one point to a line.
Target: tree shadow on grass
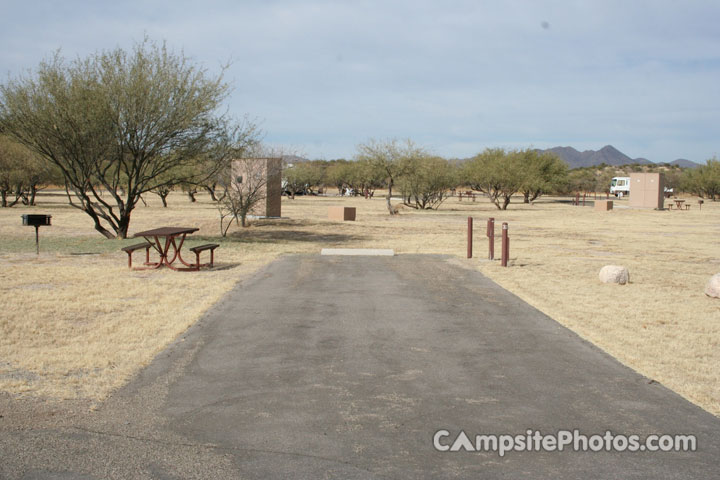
282 236
282 230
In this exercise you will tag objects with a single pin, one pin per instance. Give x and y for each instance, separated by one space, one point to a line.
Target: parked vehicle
620 186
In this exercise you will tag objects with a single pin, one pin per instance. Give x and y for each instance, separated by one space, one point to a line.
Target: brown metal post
37 240
491 238
505 245
469 237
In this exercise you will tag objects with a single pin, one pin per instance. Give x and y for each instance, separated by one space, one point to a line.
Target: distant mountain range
608 155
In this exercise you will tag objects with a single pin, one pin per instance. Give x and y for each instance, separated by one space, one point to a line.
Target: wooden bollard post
469 237
505 245
490 233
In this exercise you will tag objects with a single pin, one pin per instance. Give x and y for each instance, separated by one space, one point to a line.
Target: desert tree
542 173
233 140
117 124
496 173
337 173
388 157
603 179
22 173
582 180
704 180
302 177
426 181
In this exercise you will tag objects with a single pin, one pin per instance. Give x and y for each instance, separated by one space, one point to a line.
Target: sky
321 77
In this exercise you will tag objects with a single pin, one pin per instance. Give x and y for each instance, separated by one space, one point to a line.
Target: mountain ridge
608 155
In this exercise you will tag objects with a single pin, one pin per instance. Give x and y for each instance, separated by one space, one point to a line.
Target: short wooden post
469 237
505 245
490 233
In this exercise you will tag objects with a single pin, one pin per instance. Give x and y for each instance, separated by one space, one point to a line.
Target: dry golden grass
81 325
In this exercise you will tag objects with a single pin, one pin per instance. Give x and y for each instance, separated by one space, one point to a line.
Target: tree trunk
506 202
389 196
33 194
191 194
104 231
3 197
211 191
123 225
526 197
163 197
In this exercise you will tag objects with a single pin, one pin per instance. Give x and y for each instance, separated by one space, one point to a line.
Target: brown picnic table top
166 232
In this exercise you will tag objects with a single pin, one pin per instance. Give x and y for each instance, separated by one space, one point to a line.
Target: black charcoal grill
36 220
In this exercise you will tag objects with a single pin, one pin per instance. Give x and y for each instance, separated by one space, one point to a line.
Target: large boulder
712 289
614 274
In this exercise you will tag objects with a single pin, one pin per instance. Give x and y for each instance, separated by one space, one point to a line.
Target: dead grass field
76 322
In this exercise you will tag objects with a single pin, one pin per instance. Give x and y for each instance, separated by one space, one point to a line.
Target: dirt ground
76 323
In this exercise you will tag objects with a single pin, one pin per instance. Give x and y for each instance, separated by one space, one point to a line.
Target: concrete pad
374 252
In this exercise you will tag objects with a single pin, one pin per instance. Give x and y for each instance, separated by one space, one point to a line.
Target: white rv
620 186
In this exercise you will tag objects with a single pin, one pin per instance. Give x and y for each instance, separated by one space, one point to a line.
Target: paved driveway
346 367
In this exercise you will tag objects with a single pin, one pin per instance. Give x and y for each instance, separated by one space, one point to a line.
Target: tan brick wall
647 190
266 168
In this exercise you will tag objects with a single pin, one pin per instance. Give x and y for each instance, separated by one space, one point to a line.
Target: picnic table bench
138 246
202 248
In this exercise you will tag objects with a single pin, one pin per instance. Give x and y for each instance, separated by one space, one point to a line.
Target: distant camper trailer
620 186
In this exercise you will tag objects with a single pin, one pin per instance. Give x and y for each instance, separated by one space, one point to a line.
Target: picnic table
168 242
468 194
679 202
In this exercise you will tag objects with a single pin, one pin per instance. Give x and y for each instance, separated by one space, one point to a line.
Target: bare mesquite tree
246 186
117 124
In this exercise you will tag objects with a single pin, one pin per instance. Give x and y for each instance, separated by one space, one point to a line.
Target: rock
614 274
712 289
